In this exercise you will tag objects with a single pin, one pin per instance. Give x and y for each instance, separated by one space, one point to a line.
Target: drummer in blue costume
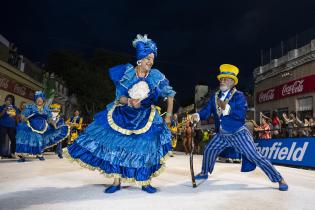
32 132
75 123
129 139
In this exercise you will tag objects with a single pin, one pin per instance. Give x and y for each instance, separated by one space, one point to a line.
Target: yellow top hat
55 107
229 71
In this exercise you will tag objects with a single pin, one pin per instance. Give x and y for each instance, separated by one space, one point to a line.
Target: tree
87 79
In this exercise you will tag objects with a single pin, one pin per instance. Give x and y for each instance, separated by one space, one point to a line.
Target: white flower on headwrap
139 90
140 38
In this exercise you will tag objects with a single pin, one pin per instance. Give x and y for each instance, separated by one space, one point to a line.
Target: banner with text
295 87
15 87
290 151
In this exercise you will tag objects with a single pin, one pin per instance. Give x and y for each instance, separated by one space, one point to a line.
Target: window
305 107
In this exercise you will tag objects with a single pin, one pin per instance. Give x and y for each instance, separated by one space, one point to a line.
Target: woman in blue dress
129 139
37 131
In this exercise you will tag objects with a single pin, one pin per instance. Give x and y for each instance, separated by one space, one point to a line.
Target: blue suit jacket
234 120
231 122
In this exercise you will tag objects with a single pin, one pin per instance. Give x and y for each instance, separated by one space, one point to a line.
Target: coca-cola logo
4 83
12 86
266 96
20 90
296 87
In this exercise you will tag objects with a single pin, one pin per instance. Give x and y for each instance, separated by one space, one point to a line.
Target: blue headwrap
144 46
39 94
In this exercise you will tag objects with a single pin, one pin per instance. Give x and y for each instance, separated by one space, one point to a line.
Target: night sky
193 37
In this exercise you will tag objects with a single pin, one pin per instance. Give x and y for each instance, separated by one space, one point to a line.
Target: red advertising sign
14 87
299 86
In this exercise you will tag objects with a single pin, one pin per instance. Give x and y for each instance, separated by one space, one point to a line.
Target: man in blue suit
229 106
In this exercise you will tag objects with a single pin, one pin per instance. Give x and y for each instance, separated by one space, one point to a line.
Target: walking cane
193 180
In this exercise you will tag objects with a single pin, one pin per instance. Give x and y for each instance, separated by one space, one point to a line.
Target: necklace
40 108
227 99
141 73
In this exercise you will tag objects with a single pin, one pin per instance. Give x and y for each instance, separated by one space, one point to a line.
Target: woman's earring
139 62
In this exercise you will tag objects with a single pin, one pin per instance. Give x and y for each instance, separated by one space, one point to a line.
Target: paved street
60 184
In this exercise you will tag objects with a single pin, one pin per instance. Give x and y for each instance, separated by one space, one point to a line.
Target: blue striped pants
242 142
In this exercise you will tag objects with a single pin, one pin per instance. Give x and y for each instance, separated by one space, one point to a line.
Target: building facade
17 83
287 84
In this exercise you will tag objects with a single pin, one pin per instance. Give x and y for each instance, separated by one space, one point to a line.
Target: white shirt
227 109
225 112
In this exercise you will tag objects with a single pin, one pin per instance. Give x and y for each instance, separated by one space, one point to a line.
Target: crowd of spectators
284 126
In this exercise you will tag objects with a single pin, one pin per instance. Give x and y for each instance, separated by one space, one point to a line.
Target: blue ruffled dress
126 142
35 135
53 135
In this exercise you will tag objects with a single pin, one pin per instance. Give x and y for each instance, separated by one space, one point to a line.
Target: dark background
193 37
